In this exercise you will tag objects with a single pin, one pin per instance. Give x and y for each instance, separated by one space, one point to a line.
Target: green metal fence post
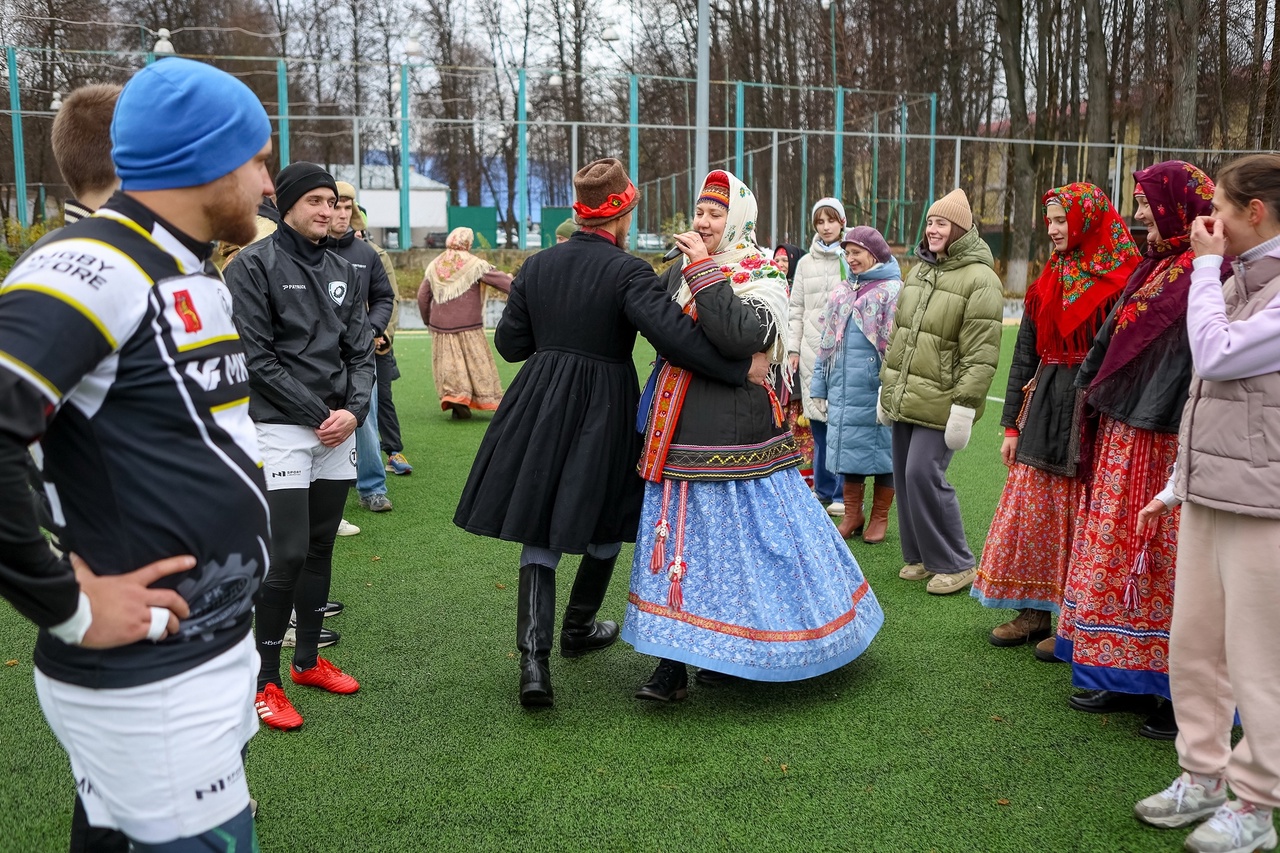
522 158
739 122
19 155
634 141
406 225
282 96
838 184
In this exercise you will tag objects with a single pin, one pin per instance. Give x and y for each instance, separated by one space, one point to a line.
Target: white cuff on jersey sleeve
72 631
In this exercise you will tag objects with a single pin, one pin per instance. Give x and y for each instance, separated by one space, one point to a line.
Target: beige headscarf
453 272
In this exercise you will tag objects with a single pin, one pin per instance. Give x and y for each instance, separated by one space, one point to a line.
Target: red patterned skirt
1024 563
1114 644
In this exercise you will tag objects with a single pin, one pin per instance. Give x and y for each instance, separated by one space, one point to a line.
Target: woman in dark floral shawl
1118 601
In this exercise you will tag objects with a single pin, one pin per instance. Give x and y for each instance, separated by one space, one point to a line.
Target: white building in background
428 203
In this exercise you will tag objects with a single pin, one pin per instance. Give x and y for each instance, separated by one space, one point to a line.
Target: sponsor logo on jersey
209 373
294 286
186 308
286 473
337 291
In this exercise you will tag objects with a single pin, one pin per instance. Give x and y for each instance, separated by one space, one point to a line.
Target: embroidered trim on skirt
1024 561
1111 646
755 580
464 371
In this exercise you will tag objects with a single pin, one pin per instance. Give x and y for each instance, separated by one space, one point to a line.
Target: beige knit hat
954 206
346 190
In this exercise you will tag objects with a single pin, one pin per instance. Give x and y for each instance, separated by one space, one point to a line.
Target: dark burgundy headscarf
1156 295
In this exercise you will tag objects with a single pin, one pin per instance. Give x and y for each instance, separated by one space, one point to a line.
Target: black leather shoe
669 683
711 678
1111 702
1161 725
580 632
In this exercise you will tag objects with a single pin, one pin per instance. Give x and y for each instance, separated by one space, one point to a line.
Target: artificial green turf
932 740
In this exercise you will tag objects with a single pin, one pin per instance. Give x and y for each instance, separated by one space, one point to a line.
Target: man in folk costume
556 469
451 300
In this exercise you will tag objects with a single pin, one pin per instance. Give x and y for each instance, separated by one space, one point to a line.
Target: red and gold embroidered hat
716 189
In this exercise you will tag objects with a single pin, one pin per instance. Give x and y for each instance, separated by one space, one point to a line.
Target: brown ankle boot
878 525
1029 626
851 524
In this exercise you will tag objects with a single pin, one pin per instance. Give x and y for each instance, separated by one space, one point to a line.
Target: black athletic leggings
304 523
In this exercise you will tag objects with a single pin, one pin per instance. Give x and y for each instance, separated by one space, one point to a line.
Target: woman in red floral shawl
1024 563
1118 601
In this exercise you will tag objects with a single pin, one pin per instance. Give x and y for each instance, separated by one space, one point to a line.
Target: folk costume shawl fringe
1071 298
455 270
865 297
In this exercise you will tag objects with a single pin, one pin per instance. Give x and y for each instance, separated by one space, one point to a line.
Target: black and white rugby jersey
149 451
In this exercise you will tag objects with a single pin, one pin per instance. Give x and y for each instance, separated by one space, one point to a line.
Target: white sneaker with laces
1183 802
1236 827
346 528
835 509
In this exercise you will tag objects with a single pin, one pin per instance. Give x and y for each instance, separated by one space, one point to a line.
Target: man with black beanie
301 315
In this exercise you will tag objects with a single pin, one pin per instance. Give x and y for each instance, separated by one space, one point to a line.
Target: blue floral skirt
753 580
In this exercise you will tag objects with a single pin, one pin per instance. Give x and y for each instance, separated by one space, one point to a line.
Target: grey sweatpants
929 523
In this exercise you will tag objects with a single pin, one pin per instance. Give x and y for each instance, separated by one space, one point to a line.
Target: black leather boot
535 622
669 683
581 633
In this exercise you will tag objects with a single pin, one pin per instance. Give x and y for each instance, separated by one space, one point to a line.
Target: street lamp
829 6
555 80
610 33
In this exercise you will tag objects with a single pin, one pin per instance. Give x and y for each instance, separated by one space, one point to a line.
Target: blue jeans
371 475
827 485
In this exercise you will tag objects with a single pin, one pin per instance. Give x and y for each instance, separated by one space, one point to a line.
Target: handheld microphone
672 253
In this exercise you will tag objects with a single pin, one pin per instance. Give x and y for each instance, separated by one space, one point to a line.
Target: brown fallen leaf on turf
368 584
784 768
375 558
11 663
997 718
1002 802
500 585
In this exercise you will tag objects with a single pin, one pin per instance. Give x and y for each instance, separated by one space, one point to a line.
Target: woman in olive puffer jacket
936 374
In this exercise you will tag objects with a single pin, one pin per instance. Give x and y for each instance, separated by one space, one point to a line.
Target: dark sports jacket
299 311
379 294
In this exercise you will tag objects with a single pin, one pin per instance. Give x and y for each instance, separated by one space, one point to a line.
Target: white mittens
882 417
959 426
819 406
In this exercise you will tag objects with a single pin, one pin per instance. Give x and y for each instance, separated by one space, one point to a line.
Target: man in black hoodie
380 300
301 315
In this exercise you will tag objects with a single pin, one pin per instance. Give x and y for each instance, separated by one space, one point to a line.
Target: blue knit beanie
180 123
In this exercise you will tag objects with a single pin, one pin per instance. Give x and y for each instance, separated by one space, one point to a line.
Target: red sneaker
274 709
326 676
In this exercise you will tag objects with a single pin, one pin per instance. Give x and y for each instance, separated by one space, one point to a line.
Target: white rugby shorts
294 458
160 761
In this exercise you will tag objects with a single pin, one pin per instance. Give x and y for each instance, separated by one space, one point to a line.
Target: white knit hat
834 204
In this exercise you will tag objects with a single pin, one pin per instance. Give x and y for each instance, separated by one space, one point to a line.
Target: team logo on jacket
186 308
337 291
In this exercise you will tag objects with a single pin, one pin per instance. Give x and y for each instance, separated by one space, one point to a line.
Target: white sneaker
1182 803
346 528
1236 827
835 509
